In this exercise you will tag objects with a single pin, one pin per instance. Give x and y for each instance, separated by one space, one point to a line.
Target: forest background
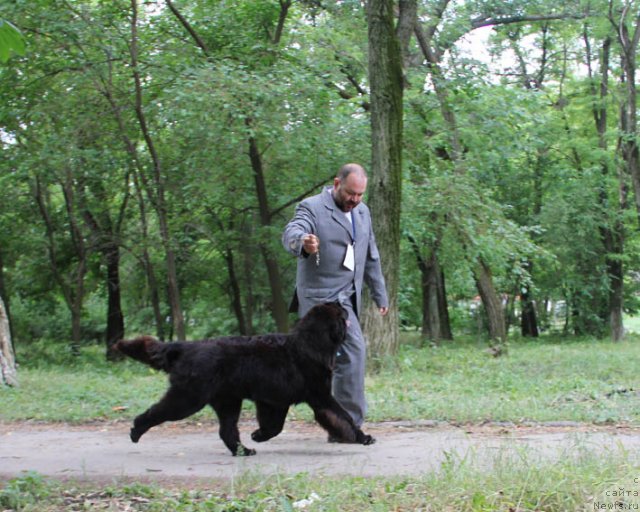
152 153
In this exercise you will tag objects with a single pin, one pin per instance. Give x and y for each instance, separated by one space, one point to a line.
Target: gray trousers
348 374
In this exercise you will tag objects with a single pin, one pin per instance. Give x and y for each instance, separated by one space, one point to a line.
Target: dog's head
331 317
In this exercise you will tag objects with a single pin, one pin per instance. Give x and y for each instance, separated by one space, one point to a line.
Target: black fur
273 370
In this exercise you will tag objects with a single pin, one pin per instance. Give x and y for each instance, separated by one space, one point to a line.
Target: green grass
544 380
592 381
632 324
573 484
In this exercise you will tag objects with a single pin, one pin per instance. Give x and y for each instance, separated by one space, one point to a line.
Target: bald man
332 237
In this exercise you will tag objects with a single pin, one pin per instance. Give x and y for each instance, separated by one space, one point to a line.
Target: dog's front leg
270 419
228 416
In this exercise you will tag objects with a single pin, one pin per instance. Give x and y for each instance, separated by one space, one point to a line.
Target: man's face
348 193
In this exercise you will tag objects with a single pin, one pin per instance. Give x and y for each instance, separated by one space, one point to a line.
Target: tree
155 129
7 358
154 185
611 229
627 26
68 258
385 182
436 36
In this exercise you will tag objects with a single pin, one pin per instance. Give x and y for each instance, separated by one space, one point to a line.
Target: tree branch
300 197
185 23
490 21
284 9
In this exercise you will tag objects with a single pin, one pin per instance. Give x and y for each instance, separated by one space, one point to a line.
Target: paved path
193 452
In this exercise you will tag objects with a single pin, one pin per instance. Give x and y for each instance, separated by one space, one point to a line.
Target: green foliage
25 492
532 194
10 40
77 126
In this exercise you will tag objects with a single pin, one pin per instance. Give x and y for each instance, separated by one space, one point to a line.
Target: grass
579 483
586 380
591 381
632 324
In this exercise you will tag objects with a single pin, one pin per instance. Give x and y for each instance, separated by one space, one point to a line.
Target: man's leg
348 374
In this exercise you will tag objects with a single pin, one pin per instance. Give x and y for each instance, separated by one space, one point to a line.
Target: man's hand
310 243
383 311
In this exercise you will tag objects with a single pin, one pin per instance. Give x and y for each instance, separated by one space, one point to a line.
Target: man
332 236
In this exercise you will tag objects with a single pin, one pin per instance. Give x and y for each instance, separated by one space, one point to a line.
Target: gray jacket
330 279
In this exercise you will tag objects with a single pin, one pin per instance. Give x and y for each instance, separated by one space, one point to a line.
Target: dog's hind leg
228 415
335 420
176 404
270 419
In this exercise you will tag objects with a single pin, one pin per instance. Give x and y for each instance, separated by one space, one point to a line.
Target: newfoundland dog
273 370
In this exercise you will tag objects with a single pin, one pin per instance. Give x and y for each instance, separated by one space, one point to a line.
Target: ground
191 452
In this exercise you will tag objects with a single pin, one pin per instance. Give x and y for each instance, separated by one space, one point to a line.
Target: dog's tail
148 350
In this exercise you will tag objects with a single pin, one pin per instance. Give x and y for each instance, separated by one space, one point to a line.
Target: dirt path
194 452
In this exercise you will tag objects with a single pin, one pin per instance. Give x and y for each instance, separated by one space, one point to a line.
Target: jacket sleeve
373 276
302 223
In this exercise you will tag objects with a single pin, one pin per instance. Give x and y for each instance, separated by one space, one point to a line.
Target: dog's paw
135 435
259 437
367 439
243 451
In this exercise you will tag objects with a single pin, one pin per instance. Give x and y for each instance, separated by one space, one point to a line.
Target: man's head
349 186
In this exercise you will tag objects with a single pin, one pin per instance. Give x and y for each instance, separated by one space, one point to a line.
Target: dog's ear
338 324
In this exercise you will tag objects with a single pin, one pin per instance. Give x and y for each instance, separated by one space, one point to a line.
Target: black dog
273 370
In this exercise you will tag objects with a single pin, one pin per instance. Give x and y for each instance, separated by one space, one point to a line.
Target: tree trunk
443 308
236 299
491 302
430 316
7 358
435 315
104 233
115 318
3 292
528 318
247 264
529 313
145 259
154 294
616 294
611 229
612 235
435 324
385 180
278 304
173 291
